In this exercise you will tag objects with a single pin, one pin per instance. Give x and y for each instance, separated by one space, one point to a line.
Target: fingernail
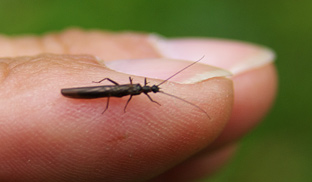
237 57
164 68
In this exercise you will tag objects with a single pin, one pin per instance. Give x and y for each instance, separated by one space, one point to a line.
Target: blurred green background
280 148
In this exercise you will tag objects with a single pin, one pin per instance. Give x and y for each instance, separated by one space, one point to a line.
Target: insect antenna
180 71
179 97
186 102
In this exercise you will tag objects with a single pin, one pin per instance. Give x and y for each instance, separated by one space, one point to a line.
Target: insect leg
108 80
151 99
130 80
145 82
107 103
127 103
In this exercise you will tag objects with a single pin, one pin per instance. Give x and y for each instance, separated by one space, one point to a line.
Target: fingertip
255 92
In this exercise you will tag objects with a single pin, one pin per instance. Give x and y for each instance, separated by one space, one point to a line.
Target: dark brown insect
117 90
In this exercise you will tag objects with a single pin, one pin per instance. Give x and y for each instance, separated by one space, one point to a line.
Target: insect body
117 90
111 91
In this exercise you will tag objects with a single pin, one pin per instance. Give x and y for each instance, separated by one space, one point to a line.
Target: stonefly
118 90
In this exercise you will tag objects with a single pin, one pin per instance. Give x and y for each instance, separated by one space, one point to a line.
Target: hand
45 136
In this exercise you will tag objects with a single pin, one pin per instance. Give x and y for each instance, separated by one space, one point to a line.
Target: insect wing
87 92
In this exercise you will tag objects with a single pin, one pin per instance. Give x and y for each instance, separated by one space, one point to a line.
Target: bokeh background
280 148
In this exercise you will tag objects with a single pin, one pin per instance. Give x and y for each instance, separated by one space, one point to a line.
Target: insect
117 90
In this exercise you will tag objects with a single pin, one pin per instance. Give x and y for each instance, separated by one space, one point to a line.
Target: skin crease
75 142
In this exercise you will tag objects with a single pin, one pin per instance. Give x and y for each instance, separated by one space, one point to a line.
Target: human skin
45 136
